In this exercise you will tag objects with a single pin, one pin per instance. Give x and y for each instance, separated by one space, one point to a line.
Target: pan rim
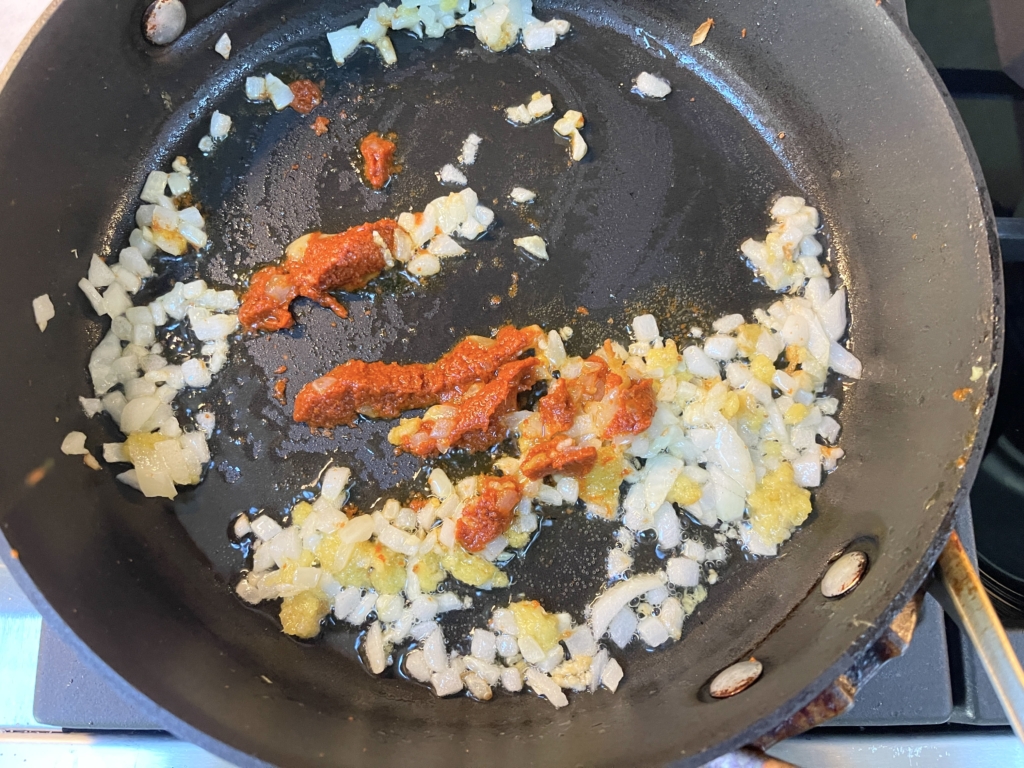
182 729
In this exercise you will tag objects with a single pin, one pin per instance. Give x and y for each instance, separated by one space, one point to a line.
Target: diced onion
74 444
652 86
280 94
43 310
223 46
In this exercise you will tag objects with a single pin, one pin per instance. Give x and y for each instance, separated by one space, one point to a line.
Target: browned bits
279 390
307 96
320 125
701 34
582 311
281 369
743 32
33 478
960 395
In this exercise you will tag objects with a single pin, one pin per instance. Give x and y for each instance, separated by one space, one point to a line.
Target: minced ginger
778 505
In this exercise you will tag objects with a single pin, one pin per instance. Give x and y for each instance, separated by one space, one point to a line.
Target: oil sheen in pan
650 221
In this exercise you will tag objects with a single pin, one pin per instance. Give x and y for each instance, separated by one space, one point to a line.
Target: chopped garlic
524 114
533 245
452 175
522 195
568 122
540 105
469 149
519 114
577 145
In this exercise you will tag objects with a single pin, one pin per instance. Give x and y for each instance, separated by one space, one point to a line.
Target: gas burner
997 498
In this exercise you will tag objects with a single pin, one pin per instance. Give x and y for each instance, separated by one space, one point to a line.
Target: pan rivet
164 21
737 678
844 574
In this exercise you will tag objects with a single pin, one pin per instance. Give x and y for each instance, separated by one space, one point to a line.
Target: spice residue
279 390
307 96
315 265
378 157
320 125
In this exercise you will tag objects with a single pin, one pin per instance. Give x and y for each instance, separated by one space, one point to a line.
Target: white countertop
16 19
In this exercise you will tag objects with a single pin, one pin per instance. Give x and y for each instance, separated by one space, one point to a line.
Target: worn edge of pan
983 425
149 708
182 729
985 415
5 73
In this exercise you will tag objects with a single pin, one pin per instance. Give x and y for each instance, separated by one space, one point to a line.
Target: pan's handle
979 619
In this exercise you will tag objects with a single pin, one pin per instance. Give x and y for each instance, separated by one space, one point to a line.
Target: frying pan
827 99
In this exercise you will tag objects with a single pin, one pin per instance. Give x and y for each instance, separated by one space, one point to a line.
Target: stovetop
931 707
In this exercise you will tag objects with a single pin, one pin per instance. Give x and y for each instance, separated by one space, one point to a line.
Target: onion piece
606 606
220 124
223 46
842 361
280 94
544 686
98 304
74 444
43 310
651 86
256 87
344 43
577 146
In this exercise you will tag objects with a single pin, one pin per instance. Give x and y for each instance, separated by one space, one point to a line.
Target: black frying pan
649 222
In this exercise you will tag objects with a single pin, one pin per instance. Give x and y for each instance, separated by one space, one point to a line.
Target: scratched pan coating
636 227
649 221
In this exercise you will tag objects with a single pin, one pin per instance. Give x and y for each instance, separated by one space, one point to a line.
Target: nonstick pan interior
649 221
